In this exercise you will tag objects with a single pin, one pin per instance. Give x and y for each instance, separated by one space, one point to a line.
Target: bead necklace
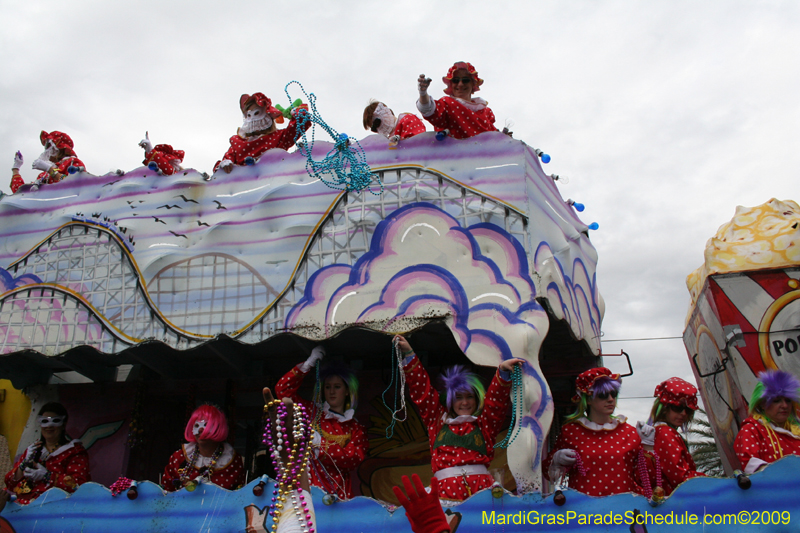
344 167
517 394
276 436
205 472
399 388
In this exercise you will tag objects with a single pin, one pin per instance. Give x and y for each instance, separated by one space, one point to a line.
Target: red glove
423 509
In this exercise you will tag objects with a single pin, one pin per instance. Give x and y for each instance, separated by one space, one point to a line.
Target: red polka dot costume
164 156
343 445
68 466
243 146
408 125
227 473
676 462
462 118
673 454
760 442
62 141
486 426
609 452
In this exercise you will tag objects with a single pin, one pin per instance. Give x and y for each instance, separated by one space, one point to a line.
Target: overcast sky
664 115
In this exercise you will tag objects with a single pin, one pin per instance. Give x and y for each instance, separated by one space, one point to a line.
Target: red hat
170 152
261 101
676 391
448 80
585 382
60 140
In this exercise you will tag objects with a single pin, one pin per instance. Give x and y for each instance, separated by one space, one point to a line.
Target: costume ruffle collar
476 105
348 415
588 424
202 461
460 419
793 431
61 449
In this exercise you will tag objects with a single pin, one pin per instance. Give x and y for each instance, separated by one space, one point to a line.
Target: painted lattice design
52 320
346 234
92 263
103 302
210 293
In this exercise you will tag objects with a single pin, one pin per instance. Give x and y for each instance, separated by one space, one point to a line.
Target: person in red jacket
206 455
772 430
600 451
57 160
258 132
380 119
673 409
340 441
461 114
166 160
462 434
54 460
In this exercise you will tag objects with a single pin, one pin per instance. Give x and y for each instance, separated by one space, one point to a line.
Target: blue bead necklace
517 393
345 167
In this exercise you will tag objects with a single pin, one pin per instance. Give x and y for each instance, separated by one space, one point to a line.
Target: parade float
134 296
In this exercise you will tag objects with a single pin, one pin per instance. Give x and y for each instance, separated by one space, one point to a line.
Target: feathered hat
773 384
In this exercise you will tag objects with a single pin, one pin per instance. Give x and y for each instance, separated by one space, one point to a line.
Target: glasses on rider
51 421
465 81
681 409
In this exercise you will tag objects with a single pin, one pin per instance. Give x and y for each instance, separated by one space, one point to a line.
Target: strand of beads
644 475
517 396
344 168
276 436
400 376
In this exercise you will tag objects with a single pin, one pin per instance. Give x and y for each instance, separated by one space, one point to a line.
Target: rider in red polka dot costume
461 436
206 455
599 450
258 132
459 112
673 409
772 430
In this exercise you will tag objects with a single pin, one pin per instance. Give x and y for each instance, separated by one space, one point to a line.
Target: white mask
388 120
198 428
255 119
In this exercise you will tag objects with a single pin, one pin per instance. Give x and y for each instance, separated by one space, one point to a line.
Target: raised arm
419 385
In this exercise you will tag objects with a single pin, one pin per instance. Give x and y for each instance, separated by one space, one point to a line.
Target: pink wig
216 424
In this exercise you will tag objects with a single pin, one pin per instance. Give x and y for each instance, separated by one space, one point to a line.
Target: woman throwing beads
340 441
674 407
599 450
54 460
461 436
458 112
206 455
772 429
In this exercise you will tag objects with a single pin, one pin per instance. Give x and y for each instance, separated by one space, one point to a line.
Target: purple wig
605 385
458 379
773 384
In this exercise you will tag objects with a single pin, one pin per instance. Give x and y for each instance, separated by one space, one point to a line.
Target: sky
663 115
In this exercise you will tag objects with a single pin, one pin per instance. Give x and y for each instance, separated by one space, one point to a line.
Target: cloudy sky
664 115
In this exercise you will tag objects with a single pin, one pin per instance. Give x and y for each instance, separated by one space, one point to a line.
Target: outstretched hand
509 364
18 160
423 509
146 144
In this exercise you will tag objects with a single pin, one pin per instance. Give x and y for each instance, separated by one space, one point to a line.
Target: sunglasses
605 395
462 80
51 421
681 409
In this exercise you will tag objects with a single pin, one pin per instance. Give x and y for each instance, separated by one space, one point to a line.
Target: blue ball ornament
579 207
594 226
249 161
152 165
